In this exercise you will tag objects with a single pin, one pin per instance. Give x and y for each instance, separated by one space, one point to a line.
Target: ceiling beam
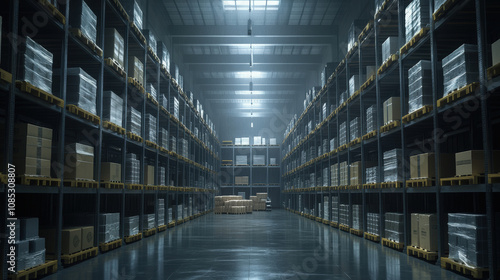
219 87
245 67
257 59
258 30
257 101
255 40
246 81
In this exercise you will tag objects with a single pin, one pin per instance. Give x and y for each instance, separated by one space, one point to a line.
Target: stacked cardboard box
356 173
136 69
150 128
162 176
84 19
334 176
132 167
357 217
343 134
114 46
345 214
393 171
373 223
30 248
241 180
460 68
419 85
259 160
32 149
389 47
472 162
149 175
109 227
79 162
134 121
245 141
173 144
392 110
148 221
424 233
112 110
394 227
257 140
111 172
371 119
134 11
131 226
344 179
417 16
423 166
371 175
164 55
468 239
178 213
36 65
354 84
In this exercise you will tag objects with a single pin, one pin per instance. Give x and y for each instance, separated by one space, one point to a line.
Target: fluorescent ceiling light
255 92
248 75
258 5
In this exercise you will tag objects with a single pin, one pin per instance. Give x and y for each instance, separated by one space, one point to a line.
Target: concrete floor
263 245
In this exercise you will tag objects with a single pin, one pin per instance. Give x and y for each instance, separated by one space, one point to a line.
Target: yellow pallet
135 83
81 184
370 135
114 127
134 137
355 142
357 232
441 11
326 222
493 71
463 180
153 54
150 188
41 94
457 94
421 253
115 66
372 237
388 185
171 224
413 41
334 224
149 232
36 181
138 32
421 182
475 272
112 185
389 126
152 144
79 256
318 219
105 247
493 178
133 238
83 114
382 9
151 98
368 82
371 186
86 41
365 30
393 244
417 114
344 227
5 77
393 58
49 267
162 228
134 187
51 9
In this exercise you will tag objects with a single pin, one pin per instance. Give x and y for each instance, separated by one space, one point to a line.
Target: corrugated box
472 162
495 52
32 166
136 69
71 241
415 230
356 173
21 130
392 109
241 180
87 237
111 171
149 175
423 166
428 238
78 167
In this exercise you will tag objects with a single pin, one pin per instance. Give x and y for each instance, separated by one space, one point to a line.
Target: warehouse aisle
263 245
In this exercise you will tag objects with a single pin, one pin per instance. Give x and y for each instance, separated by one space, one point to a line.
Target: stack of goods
357 217
371 175
393 170
460 68
173 144
300 202
79 163
354 129
343 134
114 46
163 101
29 247
161 175
81 89
344 179
109 227
111 172
324 111
164 55
132 167
389 47
424 233
152 90
83 19
312 180
257 140
112 110
333 144
185 212
36 65
423 166
241 160
345 215
245 141
373 223
327 72
136 69
370 71
259 201
320 210
170 215
151 40
131 226
148 221
150 128
259 160
272 161
134 121
334 176
32 149
149 175
174 106
325 177
178 213
235 206
417 16
356 173
371 119
326 208
134 11
394 227
354 84
353 33
190 206
419 85
343 97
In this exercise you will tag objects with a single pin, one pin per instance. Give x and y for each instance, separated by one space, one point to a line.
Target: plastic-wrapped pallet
170 215
357 217
163 100
114 46
371 175
84 19
36 65
373 223
134 11
259 160
241 160
394 226
152 90
134 121
173 144
325 146
345 215
344 169
81 89
148 222
468 239
178 214
326 208
29 260
354 129
333 144
164 138
132 167
174 107
162 176
343 134
151 40
417 16
389 47
354 84
460 68
334 177
312 180
325 177
164 55
150 128
327 72
131 226
109 227
393 171
335 209
353 33
29 247
419 85
343 97
112 110
371 119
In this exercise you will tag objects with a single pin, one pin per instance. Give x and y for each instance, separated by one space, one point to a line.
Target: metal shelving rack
474 121
196 176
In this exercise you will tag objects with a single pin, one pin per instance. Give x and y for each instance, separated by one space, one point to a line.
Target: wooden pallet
389 126
421 182
5 77
417 114
369 135
135 137
365 30
152 144
120 9
334 224
162 228
475 272
114 127
171 225
393 244
441 11
36 181
112 185
382 9
343 147
79 256
149 232
49 267
494 178
178 222
115 66
463 180
81 184
318 219
493 71
105 247
41 94
133 238
86 41
153 54
357 232
138 32
135 83
421 253
137 187
150 188
393 58
457 94
372 237
367 83
355 142
152 99
83 114
52 10
413 41
354 187
388 185
326 222
344 228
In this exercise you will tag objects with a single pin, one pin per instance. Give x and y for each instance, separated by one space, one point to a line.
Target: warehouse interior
250 139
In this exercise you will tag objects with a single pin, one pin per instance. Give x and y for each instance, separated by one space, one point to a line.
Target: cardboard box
356 173
21 130
472 162
32 166
71 241
392 110
243 180
415 230
423 166
87 237
34 147
136 69
370 71
114 46
111 172
79 167
149 175
428 238
495 52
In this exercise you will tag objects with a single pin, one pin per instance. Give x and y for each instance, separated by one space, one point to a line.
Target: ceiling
288 46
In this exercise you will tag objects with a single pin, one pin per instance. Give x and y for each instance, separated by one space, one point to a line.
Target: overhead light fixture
251 124
256 5
246 92
251 56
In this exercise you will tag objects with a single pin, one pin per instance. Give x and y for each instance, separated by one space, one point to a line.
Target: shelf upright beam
361 125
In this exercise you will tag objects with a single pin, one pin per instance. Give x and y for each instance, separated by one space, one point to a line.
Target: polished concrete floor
263 245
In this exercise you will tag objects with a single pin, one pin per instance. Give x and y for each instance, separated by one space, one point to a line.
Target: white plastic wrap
325 177
150 128
438 4
335 209
419 85
164 55
371 119
134 11
343 97
460 68
132 167
343 134
152 41
109 227
170 219
173 144
174 106
371 175
373 223
112 110
394 226
417 16
333 144
389 47
148 221
131 226
468 239
393 170
163 101
357 217
345 215
354 84
85 20
162 176
81 90
164 138
36 65
152 90
114 46
134 121
334 177
30 260
353 33
354 129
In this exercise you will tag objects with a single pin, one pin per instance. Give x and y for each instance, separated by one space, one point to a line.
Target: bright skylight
257 5
248 75
244 92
